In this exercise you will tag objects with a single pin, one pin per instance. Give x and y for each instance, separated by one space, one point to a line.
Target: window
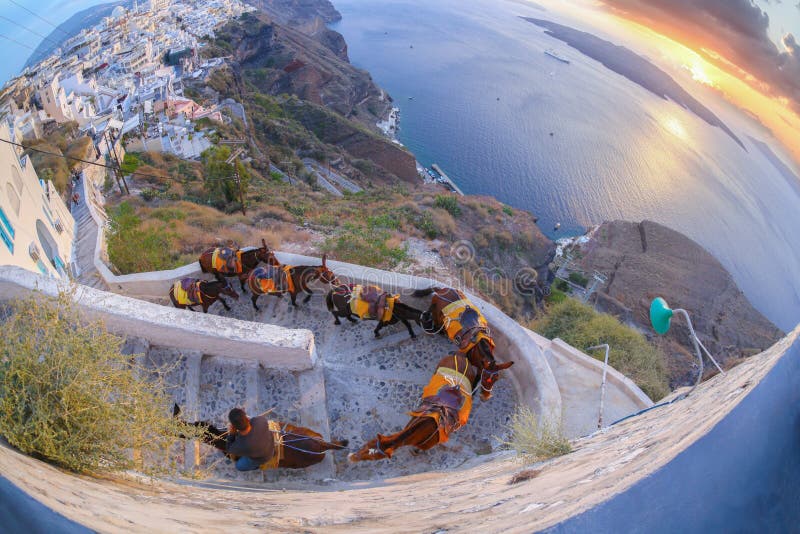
13 197
6 223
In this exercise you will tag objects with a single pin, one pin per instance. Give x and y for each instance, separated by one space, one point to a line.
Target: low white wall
614 378
273 346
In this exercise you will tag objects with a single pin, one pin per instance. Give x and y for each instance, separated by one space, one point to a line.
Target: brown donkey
298 447
190 292
277 280
446 405
227 262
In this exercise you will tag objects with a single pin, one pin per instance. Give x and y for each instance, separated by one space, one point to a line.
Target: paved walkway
86 233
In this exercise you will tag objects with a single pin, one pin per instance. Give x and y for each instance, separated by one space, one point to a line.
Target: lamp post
660 316
603 383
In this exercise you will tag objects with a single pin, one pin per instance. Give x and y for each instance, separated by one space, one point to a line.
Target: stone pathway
360 386
86 237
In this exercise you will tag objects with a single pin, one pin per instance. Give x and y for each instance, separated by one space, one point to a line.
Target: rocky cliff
277 60
645 260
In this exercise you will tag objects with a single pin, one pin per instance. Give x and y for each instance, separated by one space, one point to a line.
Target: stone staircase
359 387
86 240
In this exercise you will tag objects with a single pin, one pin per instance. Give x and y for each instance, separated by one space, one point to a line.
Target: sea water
479 97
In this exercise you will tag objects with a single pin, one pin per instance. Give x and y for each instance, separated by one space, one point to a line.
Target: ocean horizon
576 143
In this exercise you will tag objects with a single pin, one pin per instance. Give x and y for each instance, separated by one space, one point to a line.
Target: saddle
448 400
277 456
187 291
372 302
464 323
227 260
271 279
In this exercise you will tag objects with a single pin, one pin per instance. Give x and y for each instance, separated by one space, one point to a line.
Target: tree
220 181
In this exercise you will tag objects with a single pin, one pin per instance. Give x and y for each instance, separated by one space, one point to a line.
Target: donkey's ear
501 366
324 257
264 243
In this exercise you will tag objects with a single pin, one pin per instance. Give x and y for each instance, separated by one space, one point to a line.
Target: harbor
439 176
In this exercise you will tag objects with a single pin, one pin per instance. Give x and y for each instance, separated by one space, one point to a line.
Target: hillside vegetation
630 354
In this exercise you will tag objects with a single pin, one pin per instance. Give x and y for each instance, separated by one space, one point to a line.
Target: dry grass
69 396
536 440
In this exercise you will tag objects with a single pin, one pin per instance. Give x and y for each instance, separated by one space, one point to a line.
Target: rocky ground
645 260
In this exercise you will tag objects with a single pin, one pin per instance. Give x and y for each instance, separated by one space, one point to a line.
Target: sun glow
699 74
674 126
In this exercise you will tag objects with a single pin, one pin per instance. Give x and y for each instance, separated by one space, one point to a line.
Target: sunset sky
748 53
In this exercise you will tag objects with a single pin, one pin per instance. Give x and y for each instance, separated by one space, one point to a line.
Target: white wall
25 203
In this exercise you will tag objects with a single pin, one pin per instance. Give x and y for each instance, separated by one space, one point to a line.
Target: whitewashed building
36 228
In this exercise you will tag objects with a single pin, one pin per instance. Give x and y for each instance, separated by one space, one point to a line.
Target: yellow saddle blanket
437 401
187 292
464 324
365 299
277 456
227 260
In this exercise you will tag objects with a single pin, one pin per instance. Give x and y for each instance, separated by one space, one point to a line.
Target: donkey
339 301
299 447
242 261
453 315
190 292
446 405
287 279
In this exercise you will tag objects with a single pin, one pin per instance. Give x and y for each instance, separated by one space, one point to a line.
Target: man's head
238 419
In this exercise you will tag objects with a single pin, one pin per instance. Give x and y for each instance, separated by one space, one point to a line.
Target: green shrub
134 248
508 211
579 279
536 440
365 246
630 354
130 163
448 203
68 396
561 285
556 296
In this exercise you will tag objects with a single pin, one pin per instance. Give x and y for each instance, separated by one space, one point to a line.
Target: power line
33 149
39 17
44 37
17 42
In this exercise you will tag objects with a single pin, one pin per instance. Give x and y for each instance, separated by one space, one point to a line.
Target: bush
68 396
134 247
579 279
536 440
556 296
366 246
449 203
561 285
630 354
508 211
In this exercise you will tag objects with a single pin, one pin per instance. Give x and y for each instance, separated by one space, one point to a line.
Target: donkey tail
425 292
329 300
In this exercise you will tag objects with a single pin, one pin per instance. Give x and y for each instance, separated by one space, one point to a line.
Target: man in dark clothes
249 439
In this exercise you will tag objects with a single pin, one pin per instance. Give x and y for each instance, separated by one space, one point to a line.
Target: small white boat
557 226
552 53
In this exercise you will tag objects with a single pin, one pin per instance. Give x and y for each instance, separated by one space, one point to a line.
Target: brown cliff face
646 260
280 60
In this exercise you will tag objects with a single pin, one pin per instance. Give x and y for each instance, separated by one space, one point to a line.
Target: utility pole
232 160
116 165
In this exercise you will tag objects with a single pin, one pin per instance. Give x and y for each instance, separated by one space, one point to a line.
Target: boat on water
552 53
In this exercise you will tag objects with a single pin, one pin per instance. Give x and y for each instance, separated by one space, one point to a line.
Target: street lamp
660 317
603 383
